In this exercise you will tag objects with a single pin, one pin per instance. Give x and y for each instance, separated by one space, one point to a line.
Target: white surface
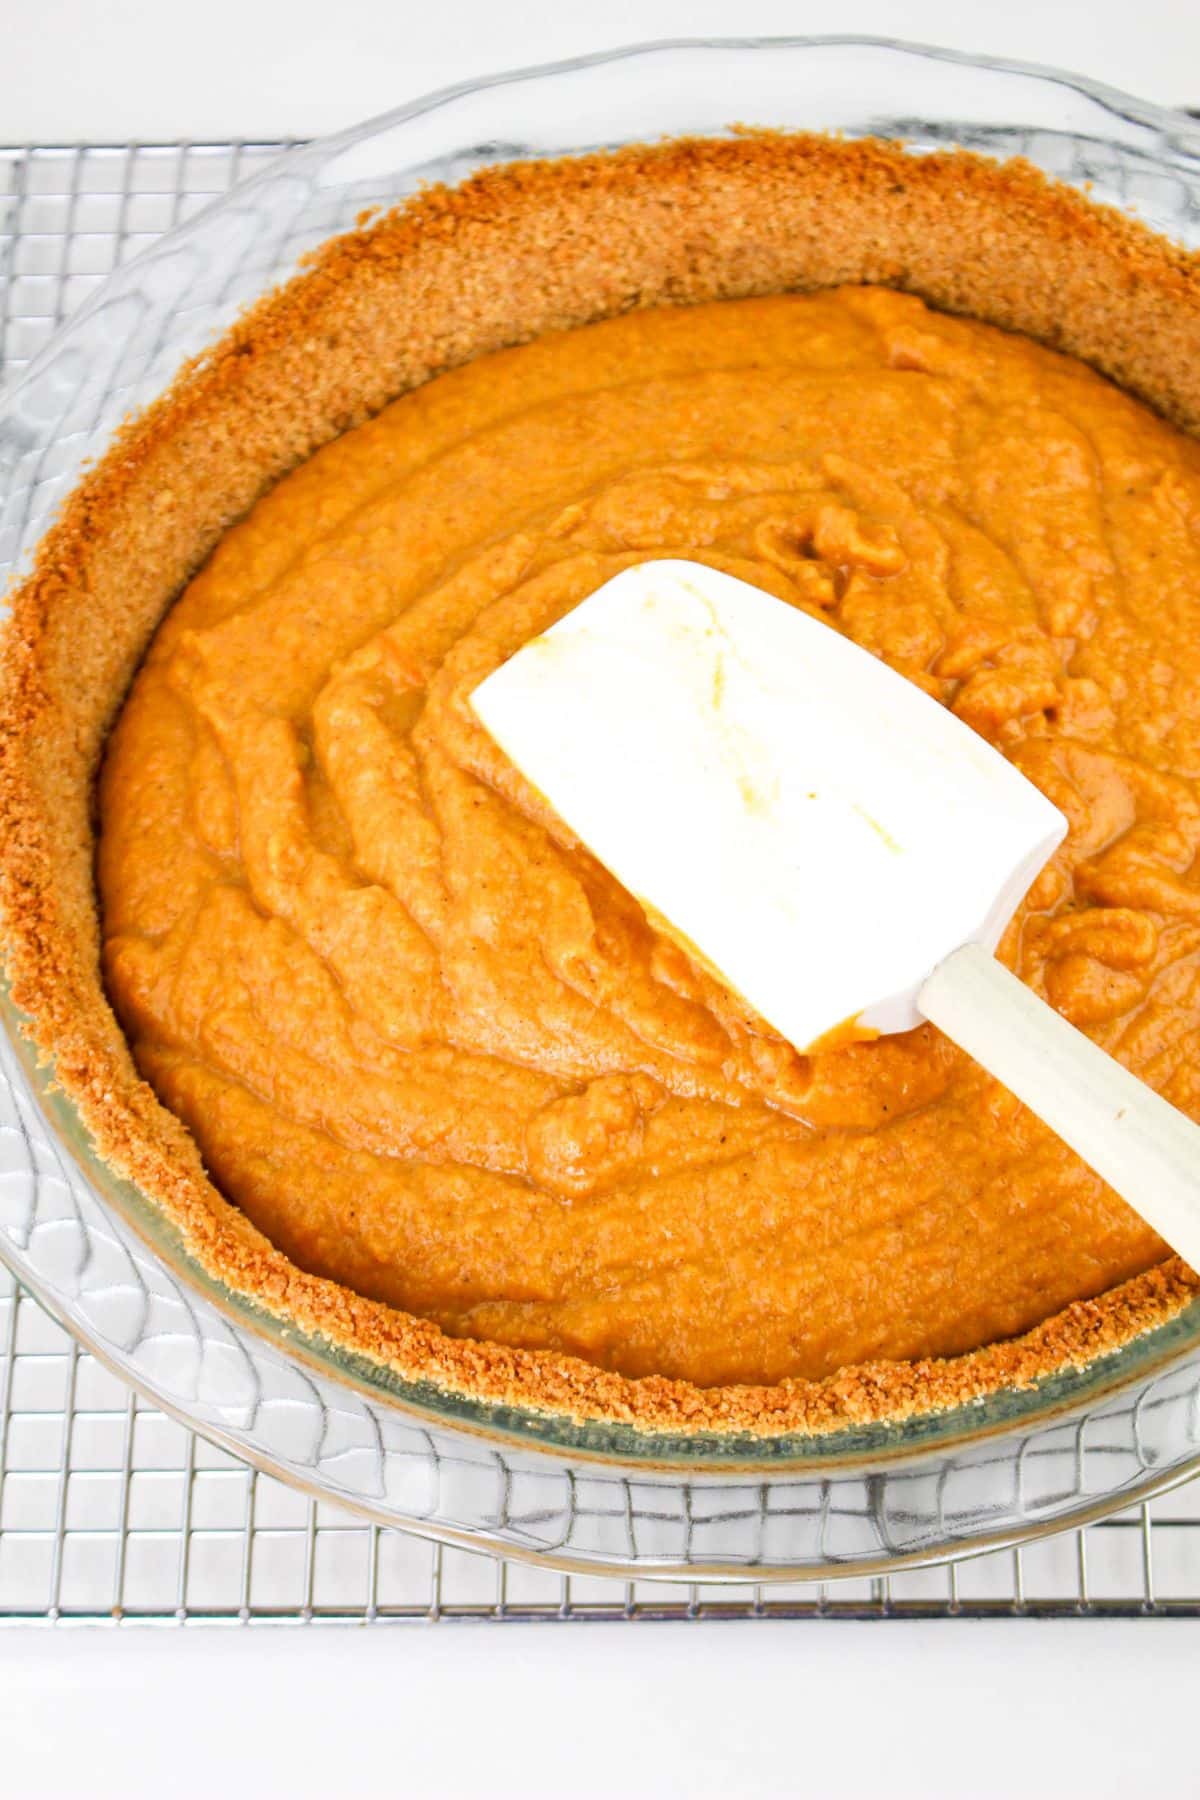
961 1711
694 1709
167 69
768 787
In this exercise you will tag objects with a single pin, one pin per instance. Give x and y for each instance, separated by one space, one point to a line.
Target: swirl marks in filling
427 1043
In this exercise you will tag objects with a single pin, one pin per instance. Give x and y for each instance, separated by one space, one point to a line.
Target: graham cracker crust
514 252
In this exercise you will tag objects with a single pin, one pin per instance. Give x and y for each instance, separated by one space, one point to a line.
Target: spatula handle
1140 1144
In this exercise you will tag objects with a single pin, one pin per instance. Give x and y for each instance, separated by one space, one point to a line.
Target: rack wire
112 1512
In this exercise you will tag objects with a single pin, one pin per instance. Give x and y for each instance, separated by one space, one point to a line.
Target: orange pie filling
436 1054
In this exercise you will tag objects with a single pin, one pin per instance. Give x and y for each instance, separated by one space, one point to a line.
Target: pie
334 987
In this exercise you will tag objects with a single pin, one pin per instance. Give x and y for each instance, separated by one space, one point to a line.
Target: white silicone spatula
840 848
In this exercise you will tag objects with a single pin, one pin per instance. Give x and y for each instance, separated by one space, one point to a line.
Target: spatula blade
807 822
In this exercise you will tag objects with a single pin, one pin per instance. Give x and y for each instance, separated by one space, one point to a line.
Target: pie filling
437 1055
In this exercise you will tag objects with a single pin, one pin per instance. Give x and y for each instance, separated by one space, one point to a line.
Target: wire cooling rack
110 1511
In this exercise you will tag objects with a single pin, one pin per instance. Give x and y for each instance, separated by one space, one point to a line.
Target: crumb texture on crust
510 255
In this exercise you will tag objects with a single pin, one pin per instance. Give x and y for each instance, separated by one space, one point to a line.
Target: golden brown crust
512 253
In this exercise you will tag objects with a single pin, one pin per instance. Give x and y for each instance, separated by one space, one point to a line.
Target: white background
824 1709
192 68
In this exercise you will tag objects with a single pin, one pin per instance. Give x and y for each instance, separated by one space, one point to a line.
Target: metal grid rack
110 1511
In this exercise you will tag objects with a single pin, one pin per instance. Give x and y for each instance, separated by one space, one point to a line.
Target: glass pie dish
112 1267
